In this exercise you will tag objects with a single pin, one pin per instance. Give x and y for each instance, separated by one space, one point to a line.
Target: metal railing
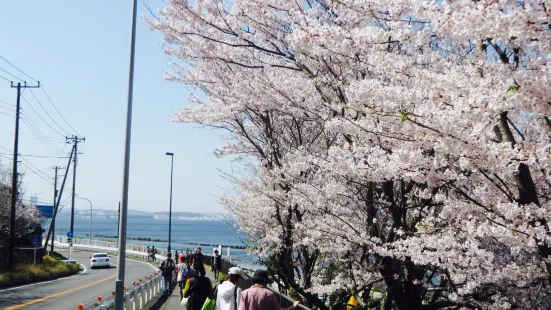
136 297
108 246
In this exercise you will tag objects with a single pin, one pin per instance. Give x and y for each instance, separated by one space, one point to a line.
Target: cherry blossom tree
27 220
404 143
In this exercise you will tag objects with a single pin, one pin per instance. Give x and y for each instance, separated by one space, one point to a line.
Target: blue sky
79 51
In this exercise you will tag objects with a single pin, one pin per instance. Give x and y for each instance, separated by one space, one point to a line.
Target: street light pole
90 229
119 283
170 209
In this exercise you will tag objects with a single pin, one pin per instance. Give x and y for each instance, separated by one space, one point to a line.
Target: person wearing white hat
228 293
259 297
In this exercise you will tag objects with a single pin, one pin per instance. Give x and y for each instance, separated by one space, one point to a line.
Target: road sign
36 240
47 211
70 234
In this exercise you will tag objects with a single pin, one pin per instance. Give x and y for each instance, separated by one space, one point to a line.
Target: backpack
198 259
169 266
185 272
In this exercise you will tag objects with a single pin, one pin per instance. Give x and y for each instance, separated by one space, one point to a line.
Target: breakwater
145 239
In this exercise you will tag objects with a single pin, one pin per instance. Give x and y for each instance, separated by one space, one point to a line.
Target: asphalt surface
67 293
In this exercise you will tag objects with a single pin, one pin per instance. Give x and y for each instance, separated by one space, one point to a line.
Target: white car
100 260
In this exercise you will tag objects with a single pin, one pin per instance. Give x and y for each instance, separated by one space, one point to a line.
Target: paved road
67 293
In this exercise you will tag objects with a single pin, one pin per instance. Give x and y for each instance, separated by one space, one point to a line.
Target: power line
38 156
7 80
30 77
29 135
38 134
36 170
13 105
30 106
53 120
7 114
5 149
44 156
62 151
42 176
11 74
39 171
45 93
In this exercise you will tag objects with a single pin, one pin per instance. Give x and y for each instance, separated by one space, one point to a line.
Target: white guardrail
142 290
135 298
108 246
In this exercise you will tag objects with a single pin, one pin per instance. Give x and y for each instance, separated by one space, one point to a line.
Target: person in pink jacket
258 297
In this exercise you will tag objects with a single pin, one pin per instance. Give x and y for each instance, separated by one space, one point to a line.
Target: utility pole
75 140
170 210
56 205
14 176
119 282
53 216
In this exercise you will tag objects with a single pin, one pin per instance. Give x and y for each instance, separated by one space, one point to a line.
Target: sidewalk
173 300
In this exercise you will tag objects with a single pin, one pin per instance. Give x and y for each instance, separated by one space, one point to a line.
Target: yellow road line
32 302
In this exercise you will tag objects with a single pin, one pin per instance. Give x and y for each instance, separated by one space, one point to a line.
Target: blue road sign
36 240
70 234
47 211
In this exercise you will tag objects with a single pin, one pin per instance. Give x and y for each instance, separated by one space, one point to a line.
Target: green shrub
51 268
56 256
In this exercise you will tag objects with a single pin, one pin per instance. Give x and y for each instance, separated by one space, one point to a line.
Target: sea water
186 234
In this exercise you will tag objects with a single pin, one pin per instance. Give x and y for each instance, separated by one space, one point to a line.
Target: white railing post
125 306
135 296
140 289
150 287
153 283
159 279
145 293
148 292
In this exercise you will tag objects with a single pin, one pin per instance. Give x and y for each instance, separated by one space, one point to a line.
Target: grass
51 268
221 275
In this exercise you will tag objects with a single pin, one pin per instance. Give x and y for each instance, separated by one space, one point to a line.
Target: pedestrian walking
198 260
259 297
148 253
216 264
297 263
197 290
152 253
228 295
167 267
179 274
